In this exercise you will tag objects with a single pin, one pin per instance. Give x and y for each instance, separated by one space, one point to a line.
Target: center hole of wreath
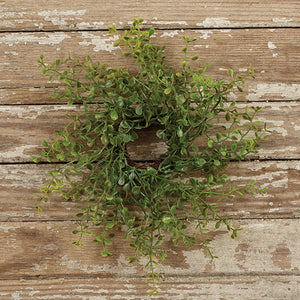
147 149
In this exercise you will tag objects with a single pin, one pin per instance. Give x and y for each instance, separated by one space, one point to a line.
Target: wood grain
22 128
93 14
45 249
273 54
20 183
232 287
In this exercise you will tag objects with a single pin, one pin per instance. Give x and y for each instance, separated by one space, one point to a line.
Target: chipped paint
271 46
184 23
12 53
33 112
271 177
282 20
214 22
283 90
87 25
6 227
61 18
18 152
169 33
53 38
122 267
99 43
4 14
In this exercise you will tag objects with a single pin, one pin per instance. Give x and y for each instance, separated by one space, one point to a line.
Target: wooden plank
92 14
273 53
134 288
253 91
45 249
24 127
20 183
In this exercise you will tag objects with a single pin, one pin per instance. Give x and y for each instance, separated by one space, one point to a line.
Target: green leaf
210 179
167 220
230 73
180 99
210 143
159 133
217 162
227 116
110 224
168 90
45 144
139 110
114 115
151 31
179 132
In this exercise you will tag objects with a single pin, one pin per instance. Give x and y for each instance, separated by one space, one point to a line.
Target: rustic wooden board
192 288
24 127
273 53
254 91
45 249
92 14
20 183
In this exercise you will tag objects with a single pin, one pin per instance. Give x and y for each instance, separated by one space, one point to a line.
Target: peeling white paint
61 18
16 296
169 23
206 34
12 53
6 228
99 43
282 20
87 25
122 267
33 112
170 33
13 39
271 46
283 90
270 176
214 22
4 15
17 153
51 247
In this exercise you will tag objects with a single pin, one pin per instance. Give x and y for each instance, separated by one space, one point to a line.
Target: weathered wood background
38 260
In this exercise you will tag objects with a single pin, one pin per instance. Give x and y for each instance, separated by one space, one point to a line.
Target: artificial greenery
159 199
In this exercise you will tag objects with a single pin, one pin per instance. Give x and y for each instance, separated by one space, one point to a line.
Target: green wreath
159 200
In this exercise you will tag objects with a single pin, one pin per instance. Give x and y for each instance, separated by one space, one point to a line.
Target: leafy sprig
183 107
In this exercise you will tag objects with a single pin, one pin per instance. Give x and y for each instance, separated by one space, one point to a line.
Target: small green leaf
167 220
168 90
210 178
210 143
179 132
110 224
139 110
230 73
114 115
44 143
227 116
151 31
